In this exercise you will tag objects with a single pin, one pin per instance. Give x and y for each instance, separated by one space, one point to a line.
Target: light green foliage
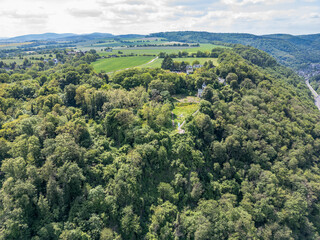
182 111
114 64
157 62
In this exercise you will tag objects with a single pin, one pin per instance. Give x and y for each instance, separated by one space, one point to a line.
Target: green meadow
157 50
114 64
183 110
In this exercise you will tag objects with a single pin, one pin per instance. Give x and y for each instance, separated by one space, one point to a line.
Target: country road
153 60
315 95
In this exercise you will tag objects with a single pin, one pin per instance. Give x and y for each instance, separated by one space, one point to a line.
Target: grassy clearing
183 110
114 64
186 99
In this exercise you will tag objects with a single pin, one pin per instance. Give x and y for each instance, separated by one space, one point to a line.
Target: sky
19 17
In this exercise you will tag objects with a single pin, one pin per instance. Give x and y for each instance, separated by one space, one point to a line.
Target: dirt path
148 62
181 131
153 60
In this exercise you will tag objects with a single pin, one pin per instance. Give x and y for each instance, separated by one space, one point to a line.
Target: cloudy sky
18 17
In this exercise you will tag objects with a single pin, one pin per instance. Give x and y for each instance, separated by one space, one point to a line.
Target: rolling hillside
293 51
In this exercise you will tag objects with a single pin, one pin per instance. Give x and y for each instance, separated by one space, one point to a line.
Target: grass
114 64
183 110
10 45
20 61
11 60
186 99
110 65
157 50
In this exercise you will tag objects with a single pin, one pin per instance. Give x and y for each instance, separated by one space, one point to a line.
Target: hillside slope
293 51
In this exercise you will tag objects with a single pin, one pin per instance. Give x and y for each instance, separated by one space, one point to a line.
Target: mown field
114 64
157 50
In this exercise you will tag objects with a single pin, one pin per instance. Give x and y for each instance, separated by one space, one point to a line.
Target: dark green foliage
167 63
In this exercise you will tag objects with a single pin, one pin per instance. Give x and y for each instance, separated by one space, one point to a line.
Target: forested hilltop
88 156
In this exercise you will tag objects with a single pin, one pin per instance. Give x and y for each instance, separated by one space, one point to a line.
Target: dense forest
88 156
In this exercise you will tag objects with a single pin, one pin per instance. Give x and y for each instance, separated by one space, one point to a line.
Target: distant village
310 71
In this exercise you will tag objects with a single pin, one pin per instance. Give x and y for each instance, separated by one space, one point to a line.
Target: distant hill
293 51
66 37
86 37
131 36
39 37
57 36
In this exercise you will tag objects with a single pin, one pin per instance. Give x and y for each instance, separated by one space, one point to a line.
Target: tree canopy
85 156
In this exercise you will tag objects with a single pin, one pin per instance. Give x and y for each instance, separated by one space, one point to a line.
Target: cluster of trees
38 62
176 66
85 156
198 54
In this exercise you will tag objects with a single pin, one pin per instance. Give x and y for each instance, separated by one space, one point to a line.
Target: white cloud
246 2
144 16
85 13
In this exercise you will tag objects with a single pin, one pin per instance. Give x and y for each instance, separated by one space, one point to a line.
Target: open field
117 46
157 50
12 45
183 110
114 64
11 60
31 57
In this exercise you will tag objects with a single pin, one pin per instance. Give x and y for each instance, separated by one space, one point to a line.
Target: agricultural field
157 50
32 58
117 43
13 45
114 64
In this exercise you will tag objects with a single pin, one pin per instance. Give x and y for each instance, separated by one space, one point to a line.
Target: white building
189 69
200 90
